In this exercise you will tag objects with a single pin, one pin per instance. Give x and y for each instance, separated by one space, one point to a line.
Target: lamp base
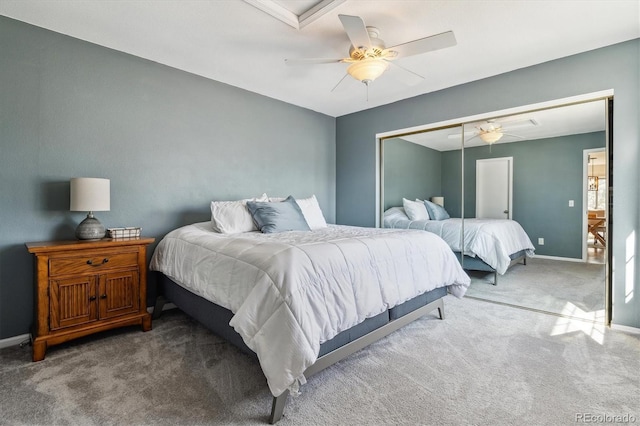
90 229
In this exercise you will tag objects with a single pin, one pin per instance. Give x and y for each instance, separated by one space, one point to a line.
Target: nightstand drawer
91 263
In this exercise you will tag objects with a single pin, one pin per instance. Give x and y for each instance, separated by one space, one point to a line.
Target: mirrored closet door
546 170
535 168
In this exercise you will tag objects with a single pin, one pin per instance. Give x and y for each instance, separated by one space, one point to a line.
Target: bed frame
476 264
216 319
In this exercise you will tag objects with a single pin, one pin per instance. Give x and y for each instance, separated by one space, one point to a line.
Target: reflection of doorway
595 205
494 186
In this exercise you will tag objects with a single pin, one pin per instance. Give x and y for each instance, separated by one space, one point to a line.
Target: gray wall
169 141
615 67
547 173
410 171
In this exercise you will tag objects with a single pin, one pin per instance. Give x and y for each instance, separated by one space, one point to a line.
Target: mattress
292 291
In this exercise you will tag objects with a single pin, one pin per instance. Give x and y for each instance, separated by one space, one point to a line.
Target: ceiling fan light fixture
491 136
367 70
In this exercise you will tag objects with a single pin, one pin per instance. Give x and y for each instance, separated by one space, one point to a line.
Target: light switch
570 203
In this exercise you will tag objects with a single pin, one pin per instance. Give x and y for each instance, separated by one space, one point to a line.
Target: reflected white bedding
492 240
292 291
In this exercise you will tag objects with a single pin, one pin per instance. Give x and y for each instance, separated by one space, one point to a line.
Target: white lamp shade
90 195
438 200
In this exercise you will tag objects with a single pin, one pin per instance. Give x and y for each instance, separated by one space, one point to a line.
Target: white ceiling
234 42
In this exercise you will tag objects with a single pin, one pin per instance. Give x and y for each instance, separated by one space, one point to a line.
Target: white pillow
416 210
233 217
310 210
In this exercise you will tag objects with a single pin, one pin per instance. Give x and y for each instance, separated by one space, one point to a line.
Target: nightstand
84 287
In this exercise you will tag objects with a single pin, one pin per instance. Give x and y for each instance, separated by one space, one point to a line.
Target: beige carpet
560 287
485 364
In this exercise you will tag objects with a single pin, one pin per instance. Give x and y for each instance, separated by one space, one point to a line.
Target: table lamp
90 195
438 200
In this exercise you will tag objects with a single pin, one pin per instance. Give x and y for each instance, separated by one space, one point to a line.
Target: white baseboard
14 341
565 259
625 328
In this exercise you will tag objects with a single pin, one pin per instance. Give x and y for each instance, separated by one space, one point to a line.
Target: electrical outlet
540 241
570 203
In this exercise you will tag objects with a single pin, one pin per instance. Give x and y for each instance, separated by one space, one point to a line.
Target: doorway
595 178
494 188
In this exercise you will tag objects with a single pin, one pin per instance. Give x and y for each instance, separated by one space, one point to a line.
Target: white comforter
292 291
492 240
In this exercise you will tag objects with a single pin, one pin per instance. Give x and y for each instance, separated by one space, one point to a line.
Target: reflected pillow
278 217
232 217
415 210
397 213
436 212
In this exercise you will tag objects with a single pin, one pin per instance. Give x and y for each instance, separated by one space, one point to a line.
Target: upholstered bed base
475 264
216 319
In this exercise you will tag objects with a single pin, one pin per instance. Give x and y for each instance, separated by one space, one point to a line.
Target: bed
303 300
490 245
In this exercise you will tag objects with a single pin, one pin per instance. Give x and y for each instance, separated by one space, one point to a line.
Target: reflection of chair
597 227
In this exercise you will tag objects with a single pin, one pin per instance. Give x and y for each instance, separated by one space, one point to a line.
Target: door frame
509 183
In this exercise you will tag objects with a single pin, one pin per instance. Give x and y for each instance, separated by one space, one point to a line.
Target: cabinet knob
103 296
92 298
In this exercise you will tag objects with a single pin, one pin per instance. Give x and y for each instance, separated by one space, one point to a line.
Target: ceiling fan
491 131
369 58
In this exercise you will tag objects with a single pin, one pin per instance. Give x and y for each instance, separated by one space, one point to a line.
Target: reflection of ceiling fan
491 132
368 56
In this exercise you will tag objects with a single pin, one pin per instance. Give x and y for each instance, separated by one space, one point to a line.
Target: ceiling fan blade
356 30
311 61
466 134
424 45
510 125
513 136
405 75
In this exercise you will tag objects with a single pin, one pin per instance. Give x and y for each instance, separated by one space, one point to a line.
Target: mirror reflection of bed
490 245
552 154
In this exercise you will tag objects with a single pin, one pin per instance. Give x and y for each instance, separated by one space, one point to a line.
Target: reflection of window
597 200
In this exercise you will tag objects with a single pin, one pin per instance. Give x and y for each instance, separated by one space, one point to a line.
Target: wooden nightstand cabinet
83 287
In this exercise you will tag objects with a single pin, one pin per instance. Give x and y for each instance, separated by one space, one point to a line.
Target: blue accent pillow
436 212
278 216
